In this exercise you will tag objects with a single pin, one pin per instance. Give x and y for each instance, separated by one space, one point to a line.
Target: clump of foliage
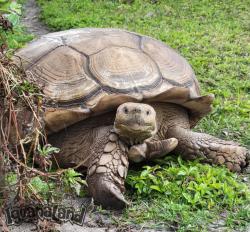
187 195
191 183
12 34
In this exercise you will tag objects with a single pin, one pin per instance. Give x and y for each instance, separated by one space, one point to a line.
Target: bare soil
31 19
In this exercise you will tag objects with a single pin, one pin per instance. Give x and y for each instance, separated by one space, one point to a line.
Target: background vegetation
214 37
14 38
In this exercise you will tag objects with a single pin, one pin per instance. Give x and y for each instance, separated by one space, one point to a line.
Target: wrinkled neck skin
170 116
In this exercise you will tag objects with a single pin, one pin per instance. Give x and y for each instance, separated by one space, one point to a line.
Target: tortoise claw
106 193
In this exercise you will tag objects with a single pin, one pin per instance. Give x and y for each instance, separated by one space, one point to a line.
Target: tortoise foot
151 149
106 193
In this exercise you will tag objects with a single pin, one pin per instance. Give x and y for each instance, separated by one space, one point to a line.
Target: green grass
17 38
214 37
186 196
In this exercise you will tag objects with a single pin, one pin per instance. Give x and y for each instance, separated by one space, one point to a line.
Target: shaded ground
31 19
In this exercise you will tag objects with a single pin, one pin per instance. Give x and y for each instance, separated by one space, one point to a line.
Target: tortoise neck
170 115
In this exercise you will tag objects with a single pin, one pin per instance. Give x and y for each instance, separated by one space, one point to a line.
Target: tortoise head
135 122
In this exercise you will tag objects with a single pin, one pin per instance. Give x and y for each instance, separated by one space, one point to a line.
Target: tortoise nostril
125 109
137 110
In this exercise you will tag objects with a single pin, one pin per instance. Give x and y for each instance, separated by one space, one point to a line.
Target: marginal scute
110 146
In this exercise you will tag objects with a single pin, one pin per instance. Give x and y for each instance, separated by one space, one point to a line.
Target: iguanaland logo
16 215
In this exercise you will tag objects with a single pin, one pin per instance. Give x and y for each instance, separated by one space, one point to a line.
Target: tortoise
118 97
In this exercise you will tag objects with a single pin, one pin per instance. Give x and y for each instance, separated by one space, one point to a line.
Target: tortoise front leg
152 148
210 149
107 172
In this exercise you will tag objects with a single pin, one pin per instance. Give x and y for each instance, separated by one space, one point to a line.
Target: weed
10 13
47 150
188 195
73 181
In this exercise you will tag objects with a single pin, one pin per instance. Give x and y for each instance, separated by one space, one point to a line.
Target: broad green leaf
13 18
155 187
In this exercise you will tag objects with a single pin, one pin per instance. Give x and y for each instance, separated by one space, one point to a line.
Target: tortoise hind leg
107 172
211 149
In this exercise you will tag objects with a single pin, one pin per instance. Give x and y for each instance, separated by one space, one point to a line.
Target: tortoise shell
90 71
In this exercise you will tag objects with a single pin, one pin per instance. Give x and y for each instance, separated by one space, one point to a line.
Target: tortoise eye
148 112
125 110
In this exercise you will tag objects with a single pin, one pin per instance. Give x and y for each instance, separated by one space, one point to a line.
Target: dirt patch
31 19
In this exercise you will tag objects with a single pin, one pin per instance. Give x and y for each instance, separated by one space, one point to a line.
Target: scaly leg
107 172
102 152
211 149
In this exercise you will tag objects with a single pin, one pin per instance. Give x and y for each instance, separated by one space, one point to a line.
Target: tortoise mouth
136 128
135 134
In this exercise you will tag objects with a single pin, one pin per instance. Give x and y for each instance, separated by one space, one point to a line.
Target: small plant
41 188
26 87
47 150
12 11
12 34
11 178
73 181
